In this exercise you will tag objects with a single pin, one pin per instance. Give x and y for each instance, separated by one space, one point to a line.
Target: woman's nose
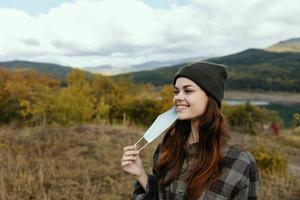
178 96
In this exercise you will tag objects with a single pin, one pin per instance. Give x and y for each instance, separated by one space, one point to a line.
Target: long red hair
213 135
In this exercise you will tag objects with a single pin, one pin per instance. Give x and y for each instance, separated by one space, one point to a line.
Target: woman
194 159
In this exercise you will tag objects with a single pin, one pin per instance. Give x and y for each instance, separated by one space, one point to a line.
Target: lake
285 110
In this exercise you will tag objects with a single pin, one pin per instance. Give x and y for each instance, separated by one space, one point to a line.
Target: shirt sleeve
151 192
249 187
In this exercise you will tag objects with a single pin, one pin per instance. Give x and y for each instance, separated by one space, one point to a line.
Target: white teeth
182 107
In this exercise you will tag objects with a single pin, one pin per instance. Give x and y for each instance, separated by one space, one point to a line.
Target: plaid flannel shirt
238 181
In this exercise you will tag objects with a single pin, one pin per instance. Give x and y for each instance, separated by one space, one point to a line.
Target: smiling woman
190 100
194 160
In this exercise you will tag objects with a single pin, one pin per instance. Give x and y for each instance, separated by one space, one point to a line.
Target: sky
85 33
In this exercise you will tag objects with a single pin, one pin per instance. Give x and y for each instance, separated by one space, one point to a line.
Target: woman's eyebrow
185 86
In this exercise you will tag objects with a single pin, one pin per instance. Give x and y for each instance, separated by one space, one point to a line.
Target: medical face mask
161 124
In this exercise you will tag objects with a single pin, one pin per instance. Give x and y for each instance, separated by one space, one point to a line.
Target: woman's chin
187 116
181 116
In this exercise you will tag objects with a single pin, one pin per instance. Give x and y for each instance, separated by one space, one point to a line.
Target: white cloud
90 32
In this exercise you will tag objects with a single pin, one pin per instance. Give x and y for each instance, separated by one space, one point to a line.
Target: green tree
8 105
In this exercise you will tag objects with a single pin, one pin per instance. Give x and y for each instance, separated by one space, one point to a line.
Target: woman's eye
187 91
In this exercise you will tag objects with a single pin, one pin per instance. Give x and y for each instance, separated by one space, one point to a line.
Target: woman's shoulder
236 153
240 165
240 173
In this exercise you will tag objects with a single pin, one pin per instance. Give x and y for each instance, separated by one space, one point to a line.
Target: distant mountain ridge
290 45
113 70
59 72
103 69
252 69
158 64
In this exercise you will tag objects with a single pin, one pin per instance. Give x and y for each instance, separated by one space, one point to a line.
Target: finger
131 152
126 158
126 163
129 148
133 157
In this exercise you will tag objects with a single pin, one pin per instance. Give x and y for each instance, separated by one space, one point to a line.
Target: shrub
270 161
296 119
144 111
249 118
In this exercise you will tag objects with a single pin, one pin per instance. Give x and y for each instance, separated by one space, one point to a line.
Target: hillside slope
291 45
252 69
57 71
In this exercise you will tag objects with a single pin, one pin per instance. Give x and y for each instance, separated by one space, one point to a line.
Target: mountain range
113 70
57 71
252 69
274 68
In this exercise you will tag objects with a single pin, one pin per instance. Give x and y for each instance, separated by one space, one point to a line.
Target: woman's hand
131 162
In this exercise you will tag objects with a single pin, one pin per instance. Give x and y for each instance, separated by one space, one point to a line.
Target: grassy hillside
83 162
57 71
290 45
252 69
261 70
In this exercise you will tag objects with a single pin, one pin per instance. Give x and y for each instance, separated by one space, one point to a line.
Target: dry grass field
83 162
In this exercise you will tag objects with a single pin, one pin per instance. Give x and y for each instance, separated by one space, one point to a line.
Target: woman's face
189 99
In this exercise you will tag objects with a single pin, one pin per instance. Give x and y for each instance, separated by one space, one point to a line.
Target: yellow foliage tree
109 98
39 107
76 102
167 94
32 92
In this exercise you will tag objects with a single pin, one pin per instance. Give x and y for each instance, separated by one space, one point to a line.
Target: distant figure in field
194 160
274 128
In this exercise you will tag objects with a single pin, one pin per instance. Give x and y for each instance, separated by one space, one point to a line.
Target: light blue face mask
162 123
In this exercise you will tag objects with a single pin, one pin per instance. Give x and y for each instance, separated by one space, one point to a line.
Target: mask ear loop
142 146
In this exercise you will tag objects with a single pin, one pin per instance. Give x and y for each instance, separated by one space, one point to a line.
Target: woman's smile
181 107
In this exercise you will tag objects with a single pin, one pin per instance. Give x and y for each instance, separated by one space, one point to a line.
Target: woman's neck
194 135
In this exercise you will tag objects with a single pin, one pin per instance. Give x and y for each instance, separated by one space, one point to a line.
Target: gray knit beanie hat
210 77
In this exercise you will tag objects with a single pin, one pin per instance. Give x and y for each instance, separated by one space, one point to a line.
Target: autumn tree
111 96
8 105
25 95
167 94
75 103
35 93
